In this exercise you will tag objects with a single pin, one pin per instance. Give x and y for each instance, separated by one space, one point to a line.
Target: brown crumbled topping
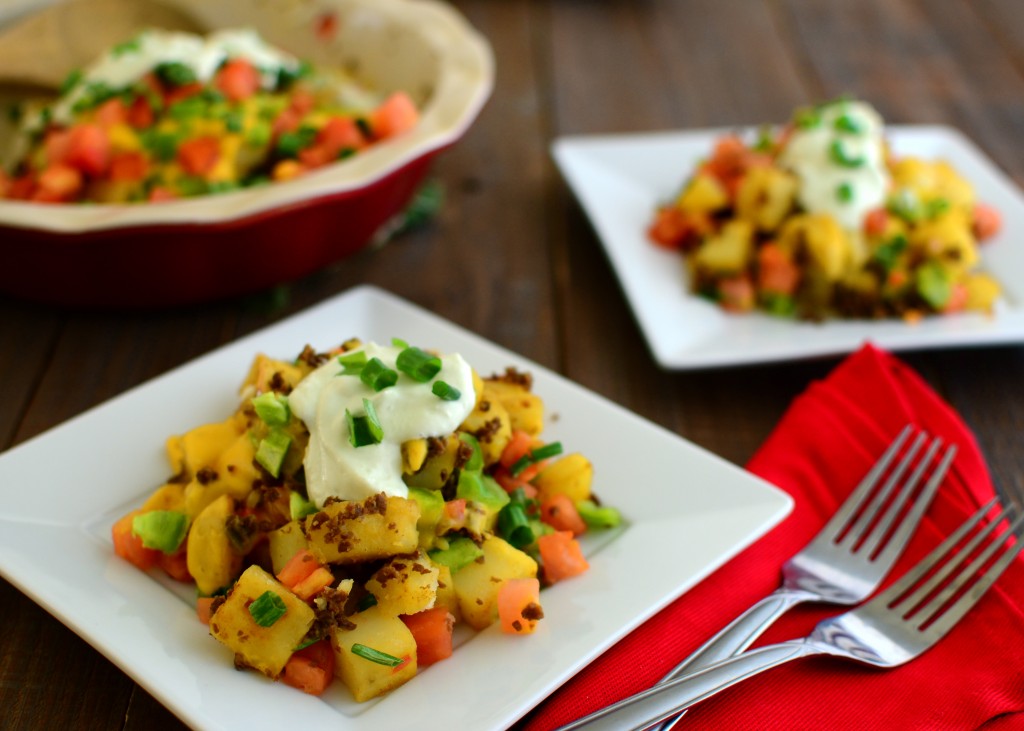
485 405
517 626
279 384
329 610
386 574
435 447
312 358
533 612
480 602
513 376
488 430
421 569
215 605
206 475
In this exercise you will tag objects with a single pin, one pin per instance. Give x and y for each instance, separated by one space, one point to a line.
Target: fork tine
861 493
902 533
865 519
920 593
901 587
959 608
937 605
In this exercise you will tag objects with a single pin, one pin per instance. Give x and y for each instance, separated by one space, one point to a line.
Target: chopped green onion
887 252
476 461
163 530
535 455
381 658
445 392
906 205
174 73
378 376
258 135
514 526
364 430
807 118
289 144
267 608
130 46
352 363
778 304
299 507
598 516
848 124
839 156
272 451
366 602
308 641
70 81
844 192
461 551
272 408
399 343
935 207
418 364
933 284
364 127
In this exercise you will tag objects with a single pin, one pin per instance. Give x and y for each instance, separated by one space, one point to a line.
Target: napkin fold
826 441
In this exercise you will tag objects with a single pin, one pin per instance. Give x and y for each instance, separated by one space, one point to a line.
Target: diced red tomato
326 25
876 222
175 565
311 669
180 93
111 112
287 120
560 513
519 607
730 161
987 221
432 629
518 447
510 484
302 101
56 144
5 183
737 293
88 149
339 133
204 605
561 556
22 187
313 584
58 182
776 272
159 194
670 228
129 546
199 155
140 113
958 297
128 166
298 568
395 115
455 509
238 79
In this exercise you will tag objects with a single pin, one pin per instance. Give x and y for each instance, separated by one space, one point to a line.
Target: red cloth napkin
826 441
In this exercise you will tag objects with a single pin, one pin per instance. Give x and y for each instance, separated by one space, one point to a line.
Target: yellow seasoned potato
491 424
446 596
267 374
569 475
703 194
525 409
728 251
477 584
266 649
414 454
820 238
166 497
212 561
349 531
948 239
405 584
284 543
373 628
231 472
982 292
204 444
765 197
439 464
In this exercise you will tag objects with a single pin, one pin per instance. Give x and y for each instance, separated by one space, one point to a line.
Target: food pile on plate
818 219
357 505
170 115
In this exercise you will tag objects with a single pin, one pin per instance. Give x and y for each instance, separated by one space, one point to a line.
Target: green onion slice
267 608
378 376
399 343
272 450
850 125
418 364
352 364
364 430
598 516
514 526
476 461
272 408
445 392
536 455
381 658
844 192
839 156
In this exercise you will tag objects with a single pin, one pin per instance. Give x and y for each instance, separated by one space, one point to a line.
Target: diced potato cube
765 197
380 631
349 531
230 473
414 454
525 409
266 649
405 584
446 596
477 584
703 194
982 292
569 475
285 542
202 445
728 251
166 497
212 561
438 465
265 371
491 424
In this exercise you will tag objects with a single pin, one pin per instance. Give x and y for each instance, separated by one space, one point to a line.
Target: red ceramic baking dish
199 249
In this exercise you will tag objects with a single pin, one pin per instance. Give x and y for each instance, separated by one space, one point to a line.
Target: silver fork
896 626
849 557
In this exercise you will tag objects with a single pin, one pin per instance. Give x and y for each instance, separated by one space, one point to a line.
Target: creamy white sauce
407 410
120 68
847 192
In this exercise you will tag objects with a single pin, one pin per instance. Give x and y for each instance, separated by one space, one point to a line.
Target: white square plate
687 512
620 180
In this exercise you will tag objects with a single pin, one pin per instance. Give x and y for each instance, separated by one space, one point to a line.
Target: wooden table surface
512 257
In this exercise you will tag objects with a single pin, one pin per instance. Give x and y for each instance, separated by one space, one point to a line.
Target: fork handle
738 635
665 700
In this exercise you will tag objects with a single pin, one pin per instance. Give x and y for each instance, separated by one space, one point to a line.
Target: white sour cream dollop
407 410
840 162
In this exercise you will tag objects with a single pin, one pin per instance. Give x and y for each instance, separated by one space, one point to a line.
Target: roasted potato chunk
349 531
